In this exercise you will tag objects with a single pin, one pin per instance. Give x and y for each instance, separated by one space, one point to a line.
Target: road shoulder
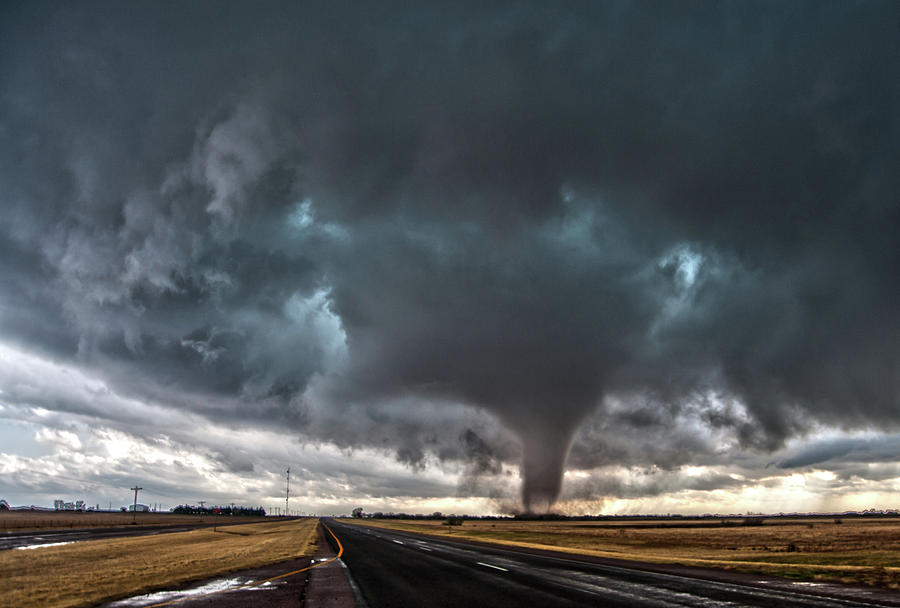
329 585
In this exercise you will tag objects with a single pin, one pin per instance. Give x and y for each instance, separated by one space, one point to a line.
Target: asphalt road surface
397 569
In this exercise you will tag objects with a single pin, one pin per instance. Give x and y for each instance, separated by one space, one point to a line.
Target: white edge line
360 602
492 566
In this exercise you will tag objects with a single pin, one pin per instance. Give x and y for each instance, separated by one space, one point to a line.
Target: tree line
227 510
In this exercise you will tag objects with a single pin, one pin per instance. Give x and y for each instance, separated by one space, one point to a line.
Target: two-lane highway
396 569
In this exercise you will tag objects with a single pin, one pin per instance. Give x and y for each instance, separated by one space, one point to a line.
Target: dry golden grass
22 521
85 573
856 550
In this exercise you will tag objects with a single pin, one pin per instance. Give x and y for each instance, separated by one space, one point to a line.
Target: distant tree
752 521
357 512
452 521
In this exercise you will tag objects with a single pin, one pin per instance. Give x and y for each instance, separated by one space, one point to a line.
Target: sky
599 257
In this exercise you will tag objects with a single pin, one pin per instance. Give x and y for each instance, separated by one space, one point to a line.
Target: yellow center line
255 583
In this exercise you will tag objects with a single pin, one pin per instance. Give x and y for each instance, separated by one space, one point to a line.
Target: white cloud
65 439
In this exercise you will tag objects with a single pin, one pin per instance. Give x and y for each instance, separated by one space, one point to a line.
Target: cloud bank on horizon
589 236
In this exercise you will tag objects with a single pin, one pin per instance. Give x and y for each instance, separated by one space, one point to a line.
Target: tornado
545 447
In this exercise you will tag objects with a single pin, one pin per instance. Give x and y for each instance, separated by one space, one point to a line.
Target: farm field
89 572
864 551
24 521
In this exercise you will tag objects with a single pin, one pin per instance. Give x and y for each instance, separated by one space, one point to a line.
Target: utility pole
134 508
202 502
287 491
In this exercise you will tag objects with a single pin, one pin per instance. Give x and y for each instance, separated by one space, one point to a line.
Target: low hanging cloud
421 229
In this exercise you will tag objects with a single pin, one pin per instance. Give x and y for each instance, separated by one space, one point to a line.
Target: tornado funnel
544 452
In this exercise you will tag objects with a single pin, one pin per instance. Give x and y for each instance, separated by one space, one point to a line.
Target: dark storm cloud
848 450
525 208
652 435
651 485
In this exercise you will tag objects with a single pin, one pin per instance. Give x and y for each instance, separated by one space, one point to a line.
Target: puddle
808 584
68 542
217 586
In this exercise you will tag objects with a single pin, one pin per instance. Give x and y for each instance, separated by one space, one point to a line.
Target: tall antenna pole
134 508
287 491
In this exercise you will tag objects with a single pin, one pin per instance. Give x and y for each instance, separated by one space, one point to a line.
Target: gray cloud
880 449
650 486
359 223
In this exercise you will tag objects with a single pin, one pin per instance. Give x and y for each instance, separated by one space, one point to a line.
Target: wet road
397 569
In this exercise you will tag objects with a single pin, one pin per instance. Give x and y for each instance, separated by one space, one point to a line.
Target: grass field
855 550
89 572
23 521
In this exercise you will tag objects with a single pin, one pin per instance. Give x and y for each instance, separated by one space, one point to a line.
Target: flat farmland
24 521
89 572
863 550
